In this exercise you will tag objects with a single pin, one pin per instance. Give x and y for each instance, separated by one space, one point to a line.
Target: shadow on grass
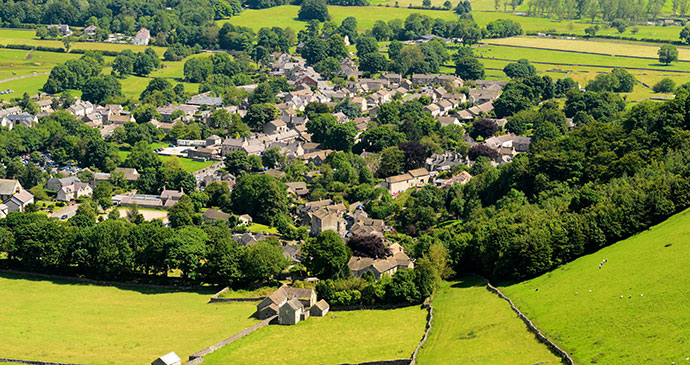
148 289
468 282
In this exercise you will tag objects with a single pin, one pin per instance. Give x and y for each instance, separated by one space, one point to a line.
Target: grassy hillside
473 326
74 322
355 336
634 310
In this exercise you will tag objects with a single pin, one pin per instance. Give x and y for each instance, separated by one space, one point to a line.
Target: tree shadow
147 289
468 282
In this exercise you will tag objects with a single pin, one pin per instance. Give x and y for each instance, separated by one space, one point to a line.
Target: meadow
473 326
339 337
28 37
68 321
286 16
634 310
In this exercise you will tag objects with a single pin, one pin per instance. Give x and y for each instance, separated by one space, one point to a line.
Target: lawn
256 227
188 164
634 310
66 321
473 326
353 336
286 16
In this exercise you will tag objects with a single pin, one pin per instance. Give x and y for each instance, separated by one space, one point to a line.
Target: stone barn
291 312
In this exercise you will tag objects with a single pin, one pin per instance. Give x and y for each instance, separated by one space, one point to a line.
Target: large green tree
326 256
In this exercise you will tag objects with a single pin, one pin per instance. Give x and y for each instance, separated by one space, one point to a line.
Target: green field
632 311
473 326
188 164
67 321
28 37
256 227
351 336
286 16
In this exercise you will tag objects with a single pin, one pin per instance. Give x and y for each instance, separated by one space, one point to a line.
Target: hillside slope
473 326
634 309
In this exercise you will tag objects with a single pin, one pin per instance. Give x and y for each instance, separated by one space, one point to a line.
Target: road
70 211
24 77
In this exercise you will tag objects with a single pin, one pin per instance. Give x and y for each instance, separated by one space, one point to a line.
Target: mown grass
188 164
354 336
66 321
634 310
256 227
473 326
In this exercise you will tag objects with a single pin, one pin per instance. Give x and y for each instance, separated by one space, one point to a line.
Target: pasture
28 37
473 326
634 310
68 321
286 16
339 337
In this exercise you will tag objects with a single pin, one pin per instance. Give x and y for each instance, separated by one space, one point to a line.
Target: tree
261 196
373 62
403 288
186 250
260 114
197 69
685 34
469 68
326 256
182 213
101 88
381 31
666 85
392 161
145 113
620 25
483 150
313 9
484 127
368 246
273 158
263 260
668 53
520 69
263 93
415 154
464 7
41 32
366 45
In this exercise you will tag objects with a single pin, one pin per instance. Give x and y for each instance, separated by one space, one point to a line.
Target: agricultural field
339 337
67 321
473 326
555 63
631 311
286 16
28 37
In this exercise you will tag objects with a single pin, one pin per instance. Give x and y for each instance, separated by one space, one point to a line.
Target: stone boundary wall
427 304
583 52
383 362
216 298
344 308
33 362
583 65
198 357
530 326
100 282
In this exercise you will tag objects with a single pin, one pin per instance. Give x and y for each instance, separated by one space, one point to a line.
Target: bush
666 85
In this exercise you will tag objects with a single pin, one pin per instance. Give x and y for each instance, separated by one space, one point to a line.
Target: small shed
168 359
320 309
